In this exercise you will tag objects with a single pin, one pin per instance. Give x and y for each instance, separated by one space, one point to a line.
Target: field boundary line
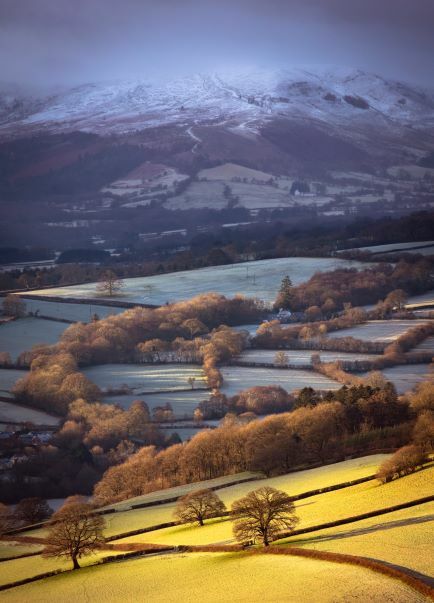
375 565
355 518
303 495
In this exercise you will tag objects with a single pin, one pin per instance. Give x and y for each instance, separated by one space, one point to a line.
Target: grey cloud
60 41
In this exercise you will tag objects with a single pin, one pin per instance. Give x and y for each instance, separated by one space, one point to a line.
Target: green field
217 577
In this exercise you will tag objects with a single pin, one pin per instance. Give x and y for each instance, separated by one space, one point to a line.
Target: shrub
405 460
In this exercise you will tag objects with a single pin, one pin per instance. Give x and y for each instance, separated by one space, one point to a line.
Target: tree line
320 430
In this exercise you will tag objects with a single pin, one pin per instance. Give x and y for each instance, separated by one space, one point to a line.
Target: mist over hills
236 142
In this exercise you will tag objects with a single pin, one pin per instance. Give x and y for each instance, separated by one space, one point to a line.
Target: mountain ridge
241 100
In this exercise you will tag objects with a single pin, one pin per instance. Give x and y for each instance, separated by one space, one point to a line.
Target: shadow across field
379 527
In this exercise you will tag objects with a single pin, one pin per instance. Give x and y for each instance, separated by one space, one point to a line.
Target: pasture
144 377
237 378
14 413
261 279
299 357
420 300
293 483
322 508
183 403
425 346
423 247
378 330
229 171
18 569
20 335
8 378
161 495
403 537
185 578
16 549
69 311
407 376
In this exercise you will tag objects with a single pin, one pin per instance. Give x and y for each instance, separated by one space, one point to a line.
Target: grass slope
217 577
404 537
237 378
227 280
378 330
322 508
140 377
20 335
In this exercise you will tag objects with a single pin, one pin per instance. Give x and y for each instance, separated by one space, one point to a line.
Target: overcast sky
44 42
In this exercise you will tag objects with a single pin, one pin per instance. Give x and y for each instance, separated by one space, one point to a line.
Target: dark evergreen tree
285 297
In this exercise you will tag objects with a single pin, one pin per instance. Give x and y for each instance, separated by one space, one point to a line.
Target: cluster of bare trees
27 512
329 291
262 515
257 400
313 336
352 420
14 306
410 457
54 382
137 334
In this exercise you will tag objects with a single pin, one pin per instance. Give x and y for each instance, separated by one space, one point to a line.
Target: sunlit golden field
217 577
403 537
293 483
322 508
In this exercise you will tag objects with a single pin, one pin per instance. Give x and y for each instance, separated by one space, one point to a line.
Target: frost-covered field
378 330
236 378
425 346
11 412
145 378
20 335
182 403
228 171
256 279
299 357
67 311
413 247
8 378
424 298
408 376
251 329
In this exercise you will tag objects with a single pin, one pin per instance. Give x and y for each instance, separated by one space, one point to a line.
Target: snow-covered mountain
241 100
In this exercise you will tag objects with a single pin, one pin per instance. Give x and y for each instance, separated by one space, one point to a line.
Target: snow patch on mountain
240 99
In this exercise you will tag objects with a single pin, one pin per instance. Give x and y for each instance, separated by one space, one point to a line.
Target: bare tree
32 510
109 283
191 382
198 506
6 519
194 326
13 305
281 358
262 514
75 531
397 299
